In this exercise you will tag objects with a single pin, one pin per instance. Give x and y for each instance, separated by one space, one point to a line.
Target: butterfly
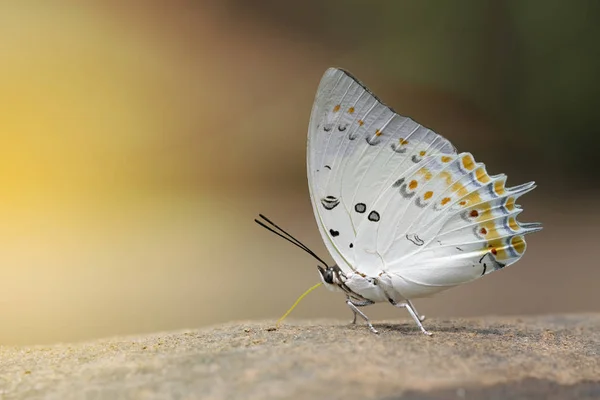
402 213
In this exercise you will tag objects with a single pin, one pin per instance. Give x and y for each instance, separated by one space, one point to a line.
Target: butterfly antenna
285 235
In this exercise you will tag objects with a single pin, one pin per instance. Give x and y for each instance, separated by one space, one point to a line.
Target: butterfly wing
357 146
391 195
460 225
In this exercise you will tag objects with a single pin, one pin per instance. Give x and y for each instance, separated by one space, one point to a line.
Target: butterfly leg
355 310
421 317
411 310
413 313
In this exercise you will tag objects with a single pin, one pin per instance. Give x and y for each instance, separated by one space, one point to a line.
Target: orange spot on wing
422 153
445 201
468 162
497 248
336 108
351 110
413 185
377 132
402 142
446 159
489 230
361 122
428 195
463 203
474 213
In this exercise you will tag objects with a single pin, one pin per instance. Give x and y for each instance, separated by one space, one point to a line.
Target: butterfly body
403 214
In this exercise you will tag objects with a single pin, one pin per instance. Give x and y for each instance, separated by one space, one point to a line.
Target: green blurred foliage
531 66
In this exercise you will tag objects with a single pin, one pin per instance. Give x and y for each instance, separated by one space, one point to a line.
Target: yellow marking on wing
445 201
446 159
361 122
422 153
468 162
402 141
425 172
518 243
489 230
499 187
512 223
481 175
413 185
485 211
447 176
351 110
460 189
377 132
336 108
510 204
498 248
473 198
428 195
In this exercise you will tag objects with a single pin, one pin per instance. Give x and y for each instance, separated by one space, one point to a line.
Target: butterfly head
332 276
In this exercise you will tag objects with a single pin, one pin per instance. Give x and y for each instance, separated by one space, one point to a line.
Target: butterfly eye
327 274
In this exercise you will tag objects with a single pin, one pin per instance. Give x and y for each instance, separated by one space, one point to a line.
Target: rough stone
546 357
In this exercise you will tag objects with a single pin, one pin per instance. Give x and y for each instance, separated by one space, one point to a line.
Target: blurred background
140 139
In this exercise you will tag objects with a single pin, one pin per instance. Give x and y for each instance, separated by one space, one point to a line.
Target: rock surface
549 357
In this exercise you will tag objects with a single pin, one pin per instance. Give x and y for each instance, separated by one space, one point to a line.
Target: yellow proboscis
296 303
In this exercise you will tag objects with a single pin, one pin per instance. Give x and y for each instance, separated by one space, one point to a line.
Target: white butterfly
402 214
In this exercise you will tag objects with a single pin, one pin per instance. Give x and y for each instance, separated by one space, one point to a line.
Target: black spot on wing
374 140
373 216
415 239
398 183
360 208
404 191
420 203
334 233
330 202
398 148
328 167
